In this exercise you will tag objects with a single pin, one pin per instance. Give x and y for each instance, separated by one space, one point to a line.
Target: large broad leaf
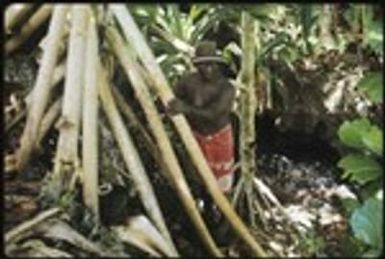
372 86
373 140
360 168
360 134
350 133
367 223
373 29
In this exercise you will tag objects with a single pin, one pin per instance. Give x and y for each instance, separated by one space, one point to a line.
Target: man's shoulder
188 78
227 83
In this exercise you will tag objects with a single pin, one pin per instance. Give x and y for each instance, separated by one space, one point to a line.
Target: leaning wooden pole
37 19
67 157
42 87
136 39
131 157
58 76
134 122
49 119
14 14
164 144
90 123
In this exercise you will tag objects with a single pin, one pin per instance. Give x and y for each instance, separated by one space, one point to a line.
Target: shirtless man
205 97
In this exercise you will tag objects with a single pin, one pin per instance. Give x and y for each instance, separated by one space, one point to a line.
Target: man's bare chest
201 93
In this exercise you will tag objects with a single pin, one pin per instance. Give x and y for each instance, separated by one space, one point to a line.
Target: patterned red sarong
218 149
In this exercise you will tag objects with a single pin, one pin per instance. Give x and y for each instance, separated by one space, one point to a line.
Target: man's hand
175 106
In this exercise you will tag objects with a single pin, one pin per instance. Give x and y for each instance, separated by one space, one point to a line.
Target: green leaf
373 30
350 133
372 86
360 168
376 253
373 139
367 223
370 189
350 205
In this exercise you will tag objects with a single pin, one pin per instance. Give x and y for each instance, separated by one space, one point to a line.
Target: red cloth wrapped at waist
218 149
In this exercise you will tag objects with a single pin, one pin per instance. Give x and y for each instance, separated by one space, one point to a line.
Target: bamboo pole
58 75
48 120
167 153
15 120
44 42
140 232
28 28
14 233
248 108
127 111
42 87
90 123
15 14
69 123
131 116
134 36
131 157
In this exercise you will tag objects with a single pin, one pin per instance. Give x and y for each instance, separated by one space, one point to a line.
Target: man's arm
174 106
180 87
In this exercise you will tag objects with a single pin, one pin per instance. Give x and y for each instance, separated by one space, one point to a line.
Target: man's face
207 70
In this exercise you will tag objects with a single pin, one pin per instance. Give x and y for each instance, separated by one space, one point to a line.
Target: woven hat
206 51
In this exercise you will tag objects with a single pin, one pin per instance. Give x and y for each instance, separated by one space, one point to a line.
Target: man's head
207 60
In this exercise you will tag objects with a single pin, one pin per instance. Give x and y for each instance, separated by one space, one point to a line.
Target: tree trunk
131 157
42 87
30 27
140 46
144 97
69 123
90 123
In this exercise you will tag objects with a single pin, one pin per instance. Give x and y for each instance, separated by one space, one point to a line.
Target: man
205 97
